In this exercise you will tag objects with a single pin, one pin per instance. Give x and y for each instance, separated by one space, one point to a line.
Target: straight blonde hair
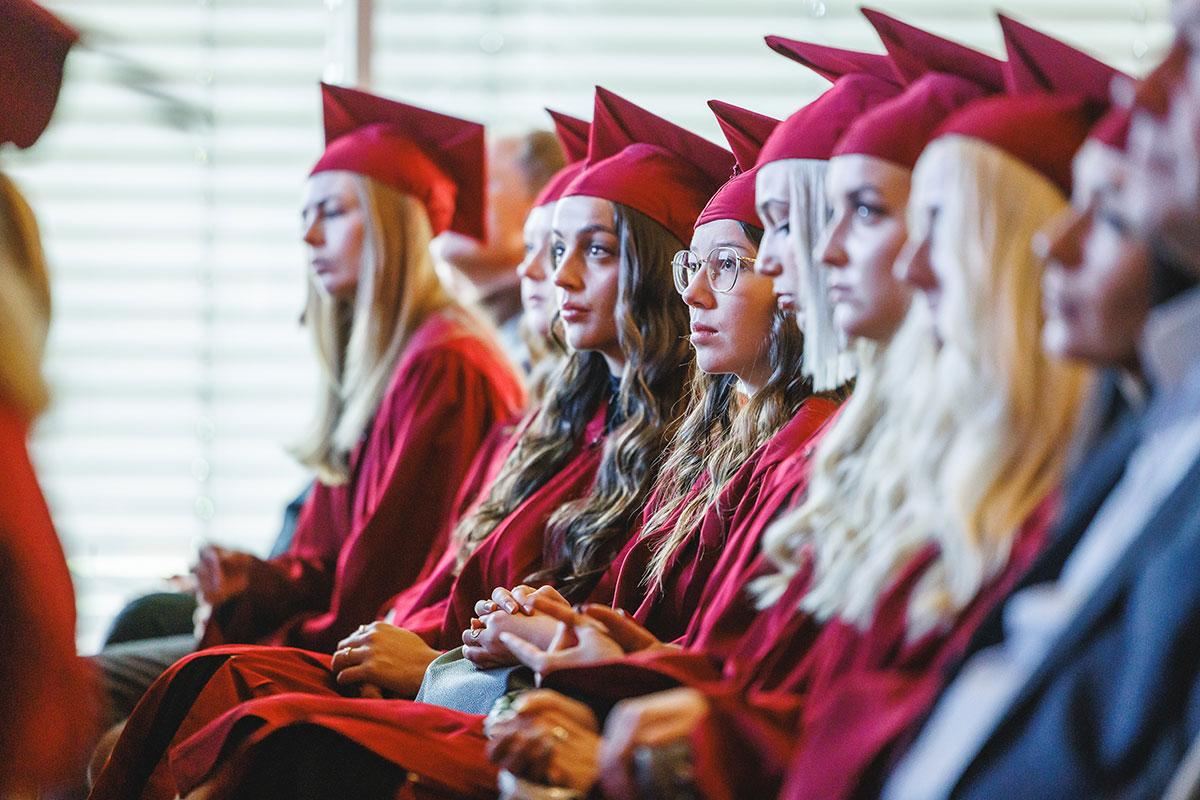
24 304
959 443
359 342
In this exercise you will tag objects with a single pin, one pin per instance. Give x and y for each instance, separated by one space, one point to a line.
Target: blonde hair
24 303
827 361
359 342
957 443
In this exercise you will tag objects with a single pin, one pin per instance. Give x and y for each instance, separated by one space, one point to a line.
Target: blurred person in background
484 271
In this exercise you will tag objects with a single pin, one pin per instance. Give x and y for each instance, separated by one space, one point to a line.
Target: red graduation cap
438 159
33 48
1042 130
573 134
746 132
898 129
1037 62
813 131
832 63
1057 94
915 52
643 161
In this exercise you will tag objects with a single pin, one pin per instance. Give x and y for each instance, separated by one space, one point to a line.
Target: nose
767 263
536 264
567 274
913 266
312 234
831 248
1058 243
698 293
1153 93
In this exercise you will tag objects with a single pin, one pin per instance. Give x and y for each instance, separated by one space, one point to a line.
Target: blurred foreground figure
46 695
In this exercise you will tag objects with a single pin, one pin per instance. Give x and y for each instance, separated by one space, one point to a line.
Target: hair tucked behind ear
584 535
24 303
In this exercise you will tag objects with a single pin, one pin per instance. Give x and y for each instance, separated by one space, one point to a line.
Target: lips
573 312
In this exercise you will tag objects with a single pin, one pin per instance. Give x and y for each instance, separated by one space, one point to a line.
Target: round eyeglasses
721 267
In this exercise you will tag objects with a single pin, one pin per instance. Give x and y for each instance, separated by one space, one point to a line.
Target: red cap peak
915 51
832 63
643 161
898 129
1037 62
439 159
1042 130
813 131
745 130
33 48
573 134
618 123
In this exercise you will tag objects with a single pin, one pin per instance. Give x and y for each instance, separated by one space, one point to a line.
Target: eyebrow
861 190
587 231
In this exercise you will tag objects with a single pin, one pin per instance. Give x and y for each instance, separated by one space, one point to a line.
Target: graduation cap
641 160
438 159
573 134
832 63
1037 62
1057 93
746 131
33 48
915 52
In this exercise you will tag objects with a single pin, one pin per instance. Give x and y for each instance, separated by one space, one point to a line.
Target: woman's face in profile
333 226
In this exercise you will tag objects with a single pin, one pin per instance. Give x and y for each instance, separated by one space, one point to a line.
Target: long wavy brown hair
721 430
584 535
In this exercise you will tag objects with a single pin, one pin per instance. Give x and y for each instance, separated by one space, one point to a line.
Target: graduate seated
412 385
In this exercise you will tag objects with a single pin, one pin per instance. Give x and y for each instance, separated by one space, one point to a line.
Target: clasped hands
540 629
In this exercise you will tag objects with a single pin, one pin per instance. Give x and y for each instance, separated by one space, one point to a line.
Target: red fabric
515 549
1043 131
1040 63
915 52
696 586
745 131
438 159
33 47
558 184
837 713
573 134
356 544
1113 128
897 130
48 698
832 63
202 687
813 131
643 161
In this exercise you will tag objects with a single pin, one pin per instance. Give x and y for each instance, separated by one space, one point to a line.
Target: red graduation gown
446 760
699 575
839 710
348 554
49 701
205 685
